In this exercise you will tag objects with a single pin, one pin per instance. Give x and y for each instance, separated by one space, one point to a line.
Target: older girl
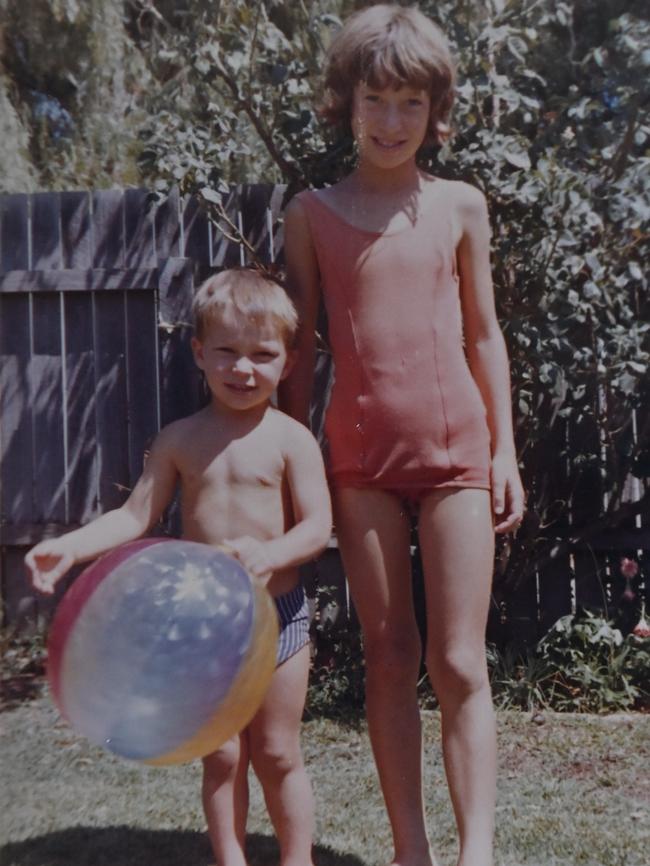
420 416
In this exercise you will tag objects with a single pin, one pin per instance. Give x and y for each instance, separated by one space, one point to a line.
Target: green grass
572 790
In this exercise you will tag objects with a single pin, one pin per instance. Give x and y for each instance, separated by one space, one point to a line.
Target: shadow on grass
128 846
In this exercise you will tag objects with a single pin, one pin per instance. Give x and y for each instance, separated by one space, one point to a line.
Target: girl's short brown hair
390 46
247 294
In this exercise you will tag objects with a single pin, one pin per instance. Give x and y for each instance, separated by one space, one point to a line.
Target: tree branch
288 170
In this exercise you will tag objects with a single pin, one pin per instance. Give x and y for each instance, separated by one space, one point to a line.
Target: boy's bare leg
458 577
374 536
277 760
225 800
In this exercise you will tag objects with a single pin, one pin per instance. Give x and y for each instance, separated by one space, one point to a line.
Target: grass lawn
572 790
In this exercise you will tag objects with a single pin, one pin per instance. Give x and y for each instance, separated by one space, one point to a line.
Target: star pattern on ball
191 584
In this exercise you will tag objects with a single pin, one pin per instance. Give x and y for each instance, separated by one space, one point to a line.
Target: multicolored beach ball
161 650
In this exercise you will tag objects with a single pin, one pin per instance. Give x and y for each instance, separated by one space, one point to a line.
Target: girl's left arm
486 352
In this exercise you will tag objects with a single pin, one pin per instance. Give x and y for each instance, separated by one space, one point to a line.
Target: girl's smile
389 124
388 145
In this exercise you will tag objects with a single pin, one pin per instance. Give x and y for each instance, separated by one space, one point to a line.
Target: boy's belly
280 582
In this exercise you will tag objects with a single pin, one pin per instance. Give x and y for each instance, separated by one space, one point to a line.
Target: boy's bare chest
238 463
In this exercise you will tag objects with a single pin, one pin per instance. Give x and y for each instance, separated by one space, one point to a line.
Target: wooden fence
95 294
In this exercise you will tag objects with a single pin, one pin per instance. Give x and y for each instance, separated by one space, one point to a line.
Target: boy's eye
224 350
415 102
265 355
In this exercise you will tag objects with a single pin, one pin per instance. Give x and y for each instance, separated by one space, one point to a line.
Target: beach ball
161 650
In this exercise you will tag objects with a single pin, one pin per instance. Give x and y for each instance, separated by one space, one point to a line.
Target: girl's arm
303 282
49 560
311 507
486 353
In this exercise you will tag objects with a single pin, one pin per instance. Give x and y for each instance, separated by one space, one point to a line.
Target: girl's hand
48 562
507 493
253 555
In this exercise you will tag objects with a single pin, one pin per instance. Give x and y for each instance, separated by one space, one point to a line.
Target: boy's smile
243 361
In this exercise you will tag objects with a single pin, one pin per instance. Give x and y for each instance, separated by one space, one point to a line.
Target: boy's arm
49 560
487 355
312 511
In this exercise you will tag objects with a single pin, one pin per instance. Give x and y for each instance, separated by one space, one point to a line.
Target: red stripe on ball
74 600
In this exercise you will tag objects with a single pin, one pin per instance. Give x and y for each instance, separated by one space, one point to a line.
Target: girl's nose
391 117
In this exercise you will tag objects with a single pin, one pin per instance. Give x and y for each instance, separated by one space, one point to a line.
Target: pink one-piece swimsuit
405 413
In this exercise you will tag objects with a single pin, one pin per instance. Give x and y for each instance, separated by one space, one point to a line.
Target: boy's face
389 125
243 361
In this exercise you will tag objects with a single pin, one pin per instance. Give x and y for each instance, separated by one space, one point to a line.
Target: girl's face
389 125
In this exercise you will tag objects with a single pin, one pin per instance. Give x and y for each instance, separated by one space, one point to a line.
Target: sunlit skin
386 193
389 125
242 363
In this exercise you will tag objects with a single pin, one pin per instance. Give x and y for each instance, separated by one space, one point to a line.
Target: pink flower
642 628
629 568
629 594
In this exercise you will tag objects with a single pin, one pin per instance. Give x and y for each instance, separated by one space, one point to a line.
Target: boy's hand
507 494
47 563
253 555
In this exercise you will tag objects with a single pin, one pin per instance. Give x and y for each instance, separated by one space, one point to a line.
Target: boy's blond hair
247 294
390 46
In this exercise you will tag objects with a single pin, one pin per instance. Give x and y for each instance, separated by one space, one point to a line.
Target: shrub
583 664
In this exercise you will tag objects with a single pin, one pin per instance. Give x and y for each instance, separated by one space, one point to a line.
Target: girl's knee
459 672
393 656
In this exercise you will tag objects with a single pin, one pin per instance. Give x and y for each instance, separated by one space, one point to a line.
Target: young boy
252 481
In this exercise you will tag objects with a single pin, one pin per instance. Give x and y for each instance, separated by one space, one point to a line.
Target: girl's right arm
303 282
49 560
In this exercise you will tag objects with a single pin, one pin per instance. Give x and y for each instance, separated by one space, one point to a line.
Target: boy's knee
222 762
272 760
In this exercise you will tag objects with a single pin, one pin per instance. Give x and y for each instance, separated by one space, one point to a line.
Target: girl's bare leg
374 536
457 547
225 800
274 738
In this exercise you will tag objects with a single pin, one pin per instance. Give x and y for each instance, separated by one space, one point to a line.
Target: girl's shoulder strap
314 211
306 198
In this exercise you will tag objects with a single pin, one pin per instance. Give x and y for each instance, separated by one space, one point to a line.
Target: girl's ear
292 354
197 351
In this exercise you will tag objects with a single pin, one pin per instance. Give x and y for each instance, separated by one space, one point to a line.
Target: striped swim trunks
293 615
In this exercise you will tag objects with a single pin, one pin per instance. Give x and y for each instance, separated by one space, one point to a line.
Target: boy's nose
243 365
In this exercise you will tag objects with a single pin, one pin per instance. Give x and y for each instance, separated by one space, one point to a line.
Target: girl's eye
415 102
224 350
265 356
